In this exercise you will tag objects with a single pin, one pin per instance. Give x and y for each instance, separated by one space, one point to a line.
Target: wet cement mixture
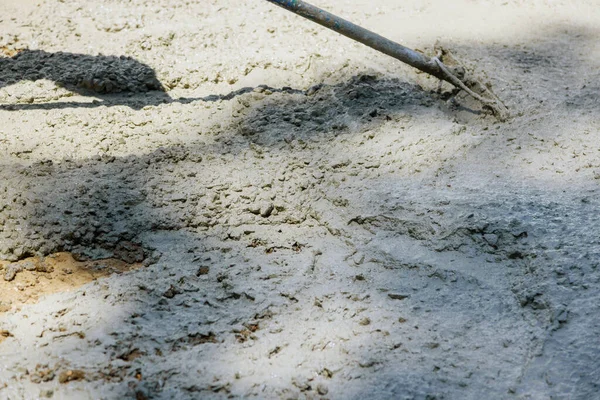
218 199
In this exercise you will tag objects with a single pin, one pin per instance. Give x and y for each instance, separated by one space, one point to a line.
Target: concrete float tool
453 72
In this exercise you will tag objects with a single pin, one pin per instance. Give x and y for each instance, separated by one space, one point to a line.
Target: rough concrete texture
318 220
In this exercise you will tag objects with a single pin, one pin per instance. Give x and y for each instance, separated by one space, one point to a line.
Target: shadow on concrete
114 80
91 206
81 73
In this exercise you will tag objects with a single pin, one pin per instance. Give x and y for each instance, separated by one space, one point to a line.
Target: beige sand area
24 282
313 219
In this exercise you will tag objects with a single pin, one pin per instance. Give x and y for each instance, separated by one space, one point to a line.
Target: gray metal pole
432 66
364 36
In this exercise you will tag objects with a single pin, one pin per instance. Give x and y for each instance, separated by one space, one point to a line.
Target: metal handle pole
432 66
363 36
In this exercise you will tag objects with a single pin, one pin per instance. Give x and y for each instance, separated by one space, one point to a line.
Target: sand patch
24 282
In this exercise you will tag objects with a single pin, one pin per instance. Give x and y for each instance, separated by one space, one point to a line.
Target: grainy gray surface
320 222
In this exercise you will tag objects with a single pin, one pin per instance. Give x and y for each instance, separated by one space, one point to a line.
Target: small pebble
266 210
322 389
11 271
